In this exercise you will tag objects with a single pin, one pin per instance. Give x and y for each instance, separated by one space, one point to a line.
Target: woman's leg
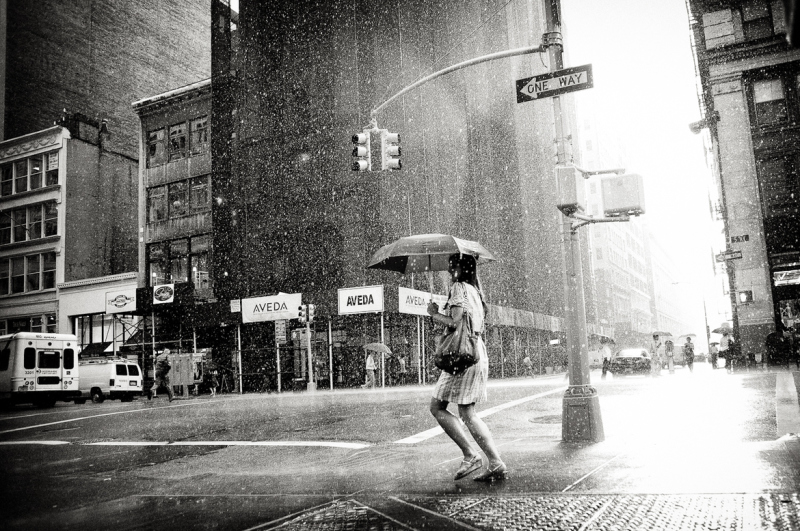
480 432
451 426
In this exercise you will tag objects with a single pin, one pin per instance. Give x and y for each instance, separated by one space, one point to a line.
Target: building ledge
98 280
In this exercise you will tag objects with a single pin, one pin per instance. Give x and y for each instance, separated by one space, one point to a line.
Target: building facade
750 79
61 196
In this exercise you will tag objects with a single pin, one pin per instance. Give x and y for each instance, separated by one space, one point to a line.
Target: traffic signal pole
581 420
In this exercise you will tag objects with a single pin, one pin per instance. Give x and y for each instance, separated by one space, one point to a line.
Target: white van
110 377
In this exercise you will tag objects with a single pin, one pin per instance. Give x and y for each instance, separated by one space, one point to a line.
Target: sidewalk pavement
669 471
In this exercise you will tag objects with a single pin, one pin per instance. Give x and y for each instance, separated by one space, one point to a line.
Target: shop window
157 273
199 135
51 177
770 101
6 179
179 260
157 204
36 172
199 193
36 323
49 270
21 176
35 222
200 276
178 199
177 141
19 219
50 219
156 148
4 277
52 326
5 228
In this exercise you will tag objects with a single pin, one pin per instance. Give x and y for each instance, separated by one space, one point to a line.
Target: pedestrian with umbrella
467 387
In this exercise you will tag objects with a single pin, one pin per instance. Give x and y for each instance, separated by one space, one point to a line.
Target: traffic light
303 315
361 152
390 150
311 309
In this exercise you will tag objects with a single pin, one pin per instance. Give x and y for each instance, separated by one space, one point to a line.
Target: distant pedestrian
606 353
214 382
688 354
527 366
401 371
713 353
669 350
370 365
469 386
725 350
162 369
656 347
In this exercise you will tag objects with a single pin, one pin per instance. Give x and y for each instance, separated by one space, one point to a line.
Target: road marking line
786 411
427 434
593 471
325 444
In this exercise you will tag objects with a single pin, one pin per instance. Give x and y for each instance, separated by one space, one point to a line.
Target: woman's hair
468 265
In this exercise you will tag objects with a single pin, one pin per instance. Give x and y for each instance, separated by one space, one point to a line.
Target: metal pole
581 420
422 359
239 355
516 355
419 354
330 352
502 354
312 386
383 357
278 362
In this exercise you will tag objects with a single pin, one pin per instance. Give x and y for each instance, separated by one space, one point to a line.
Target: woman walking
467 387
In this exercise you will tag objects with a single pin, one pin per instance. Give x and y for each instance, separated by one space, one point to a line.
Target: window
199 194
49 359
157 204
36 323
19 218
36 172
156 148
177 141
133 370
121 370
756 20
50 219
52 328
598 253
4 277
5 357
21 176
6 179
199 135
770 101
33 276
29 358
49 270
69 359
178 199
179 260
5 228
35 222
779 187
51 177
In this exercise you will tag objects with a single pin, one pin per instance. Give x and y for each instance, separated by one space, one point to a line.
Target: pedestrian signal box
571 190
623 195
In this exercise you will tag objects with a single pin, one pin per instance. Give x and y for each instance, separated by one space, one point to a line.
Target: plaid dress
467 387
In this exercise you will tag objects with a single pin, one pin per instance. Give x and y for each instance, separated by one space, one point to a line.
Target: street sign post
554 83
730 254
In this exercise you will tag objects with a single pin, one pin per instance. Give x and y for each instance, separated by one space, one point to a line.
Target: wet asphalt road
240 462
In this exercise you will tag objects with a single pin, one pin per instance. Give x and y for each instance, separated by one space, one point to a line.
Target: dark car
630 361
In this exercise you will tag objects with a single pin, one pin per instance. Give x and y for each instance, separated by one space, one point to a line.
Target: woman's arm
452 320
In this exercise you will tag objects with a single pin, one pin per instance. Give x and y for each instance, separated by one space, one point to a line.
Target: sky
645 92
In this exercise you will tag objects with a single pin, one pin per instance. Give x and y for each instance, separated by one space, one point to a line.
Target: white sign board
121 301
365 299
415 302
236 305
163 293
280 331
281 306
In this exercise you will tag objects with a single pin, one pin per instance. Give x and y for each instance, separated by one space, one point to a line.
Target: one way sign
554 83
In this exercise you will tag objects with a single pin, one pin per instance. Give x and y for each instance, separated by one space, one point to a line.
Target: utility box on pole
571 190
623 195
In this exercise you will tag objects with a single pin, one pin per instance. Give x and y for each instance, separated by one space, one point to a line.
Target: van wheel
97 396
80 400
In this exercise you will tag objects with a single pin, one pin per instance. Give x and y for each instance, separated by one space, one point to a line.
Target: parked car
630 361
112 377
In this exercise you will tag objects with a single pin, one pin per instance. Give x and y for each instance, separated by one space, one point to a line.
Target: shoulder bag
457 350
